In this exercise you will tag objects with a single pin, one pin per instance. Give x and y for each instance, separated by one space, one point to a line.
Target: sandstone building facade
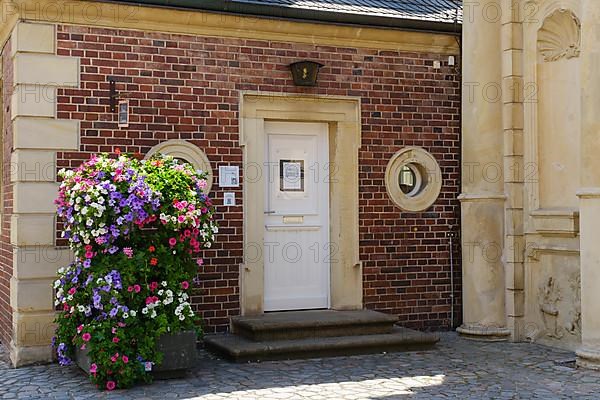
530 183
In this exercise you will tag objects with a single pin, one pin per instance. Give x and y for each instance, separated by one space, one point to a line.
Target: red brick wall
187 87
6 254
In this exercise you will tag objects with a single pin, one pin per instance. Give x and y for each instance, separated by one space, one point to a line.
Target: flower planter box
179 355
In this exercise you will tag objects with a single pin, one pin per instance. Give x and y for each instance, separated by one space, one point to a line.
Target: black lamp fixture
305 72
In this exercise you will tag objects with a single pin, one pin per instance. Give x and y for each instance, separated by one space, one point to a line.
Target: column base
28 355
588 358
483 333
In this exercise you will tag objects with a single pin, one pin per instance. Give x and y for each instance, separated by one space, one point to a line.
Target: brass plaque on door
288 219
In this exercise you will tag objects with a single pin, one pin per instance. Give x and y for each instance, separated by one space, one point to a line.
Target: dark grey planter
179 355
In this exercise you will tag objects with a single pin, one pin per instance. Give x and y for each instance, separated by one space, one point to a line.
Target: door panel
297 216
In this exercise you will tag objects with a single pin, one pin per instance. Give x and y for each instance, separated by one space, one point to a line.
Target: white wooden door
296 247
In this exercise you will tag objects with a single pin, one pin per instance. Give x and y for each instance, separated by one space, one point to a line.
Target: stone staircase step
241 349
313 323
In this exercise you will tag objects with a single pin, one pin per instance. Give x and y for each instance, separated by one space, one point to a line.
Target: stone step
240 349
290 325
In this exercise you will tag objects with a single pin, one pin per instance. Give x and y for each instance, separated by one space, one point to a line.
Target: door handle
270 212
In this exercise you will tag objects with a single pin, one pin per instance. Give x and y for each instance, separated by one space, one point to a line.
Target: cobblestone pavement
457 369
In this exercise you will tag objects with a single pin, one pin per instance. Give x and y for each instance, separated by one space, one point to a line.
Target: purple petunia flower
61 352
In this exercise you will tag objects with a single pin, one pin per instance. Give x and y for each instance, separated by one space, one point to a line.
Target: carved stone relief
559 36
550 295
573 325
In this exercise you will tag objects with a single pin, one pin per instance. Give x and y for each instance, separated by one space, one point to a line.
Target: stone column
482 198
512 121
37 136
588 354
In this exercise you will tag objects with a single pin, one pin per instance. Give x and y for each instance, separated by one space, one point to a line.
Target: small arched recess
187 152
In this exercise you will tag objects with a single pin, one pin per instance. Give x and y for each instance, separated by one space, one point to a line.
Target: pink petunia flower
86 337
110 385
137 288
89 254
125 359
72 291
130 289
93 368
128 252
116 340
79 328
185 285
153 286
172 242
200 262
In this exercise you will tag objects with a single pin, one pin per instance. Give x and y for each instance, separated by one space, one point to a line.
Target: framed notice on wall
291 175
123 114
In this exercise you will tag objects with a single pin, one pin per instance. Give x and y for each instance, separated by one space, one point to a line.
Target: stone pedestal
588 355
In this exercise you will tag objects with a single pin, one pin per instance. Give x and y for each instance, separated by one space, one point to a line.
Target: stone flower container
179 355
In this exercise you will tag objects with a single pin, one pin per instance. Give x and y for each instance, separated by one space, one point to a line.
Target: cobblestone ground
457 369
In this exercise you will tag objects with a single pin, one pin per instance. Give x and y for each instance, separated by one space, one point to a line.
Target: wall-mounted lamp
305 72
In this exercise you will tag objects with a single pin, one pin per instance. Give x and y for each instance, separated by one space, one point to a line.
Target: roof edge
290 13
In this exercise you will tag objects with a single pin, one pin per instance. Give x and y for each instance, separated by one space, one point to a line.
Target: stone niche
558 109
553 299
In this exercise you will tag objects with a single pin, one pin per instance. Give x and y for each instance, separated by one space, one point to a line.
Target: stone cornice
8 20
589 193
466 197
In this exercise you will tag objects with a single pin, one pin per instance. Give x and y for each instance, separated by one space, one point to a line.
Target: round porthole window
409 180
413 179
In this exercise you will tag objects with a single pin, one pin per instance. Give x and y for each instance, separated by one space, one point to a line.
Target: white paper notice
291 175
229 176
